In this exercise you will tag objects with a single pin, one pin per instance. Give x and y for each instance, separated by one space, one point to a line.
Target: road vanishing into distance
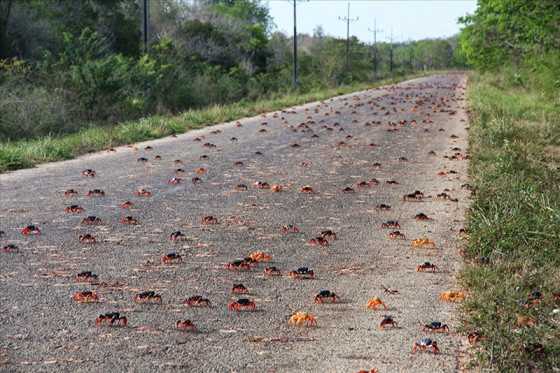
358 153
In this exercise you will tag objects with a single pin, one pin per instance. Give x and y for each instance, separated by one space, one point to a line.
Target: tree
509 31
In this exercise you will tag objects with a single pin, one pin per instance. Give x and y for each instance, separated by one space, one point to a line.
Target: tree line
67 64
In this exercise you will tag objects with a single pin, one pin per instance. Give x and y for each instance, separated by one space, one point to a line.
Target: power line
348 20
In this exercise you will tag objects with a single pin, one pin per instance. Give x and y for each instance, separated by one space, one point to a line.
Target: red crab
238 264
86 297
146 296
157 158
319 241
178 161
377 165
70 192
241 187
421 216
196 301
373 182
427 265
239 164
396 234
129 220
239 289
209 220
326 294
392 182
196 180
348 190
142 160
88 173
257 153
111 318
86 276
111 150
272 271
143 192
362 184
327 233
403 159
425 343
184 323
302 272
177 236
435 325
412 197
30 229
92 220
10 247
74 209
171 257
242 302
391 224
383 207
87 237
289 227
179 171
201 171
175 180
307 189
127 204
96 192
388 320
261 185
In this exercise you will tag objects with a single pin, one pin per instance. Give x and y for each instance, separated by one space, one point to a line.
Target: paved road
45 329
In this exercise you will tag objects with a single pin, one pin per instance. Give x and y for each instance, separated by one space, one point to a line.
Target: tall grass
514 222
26 153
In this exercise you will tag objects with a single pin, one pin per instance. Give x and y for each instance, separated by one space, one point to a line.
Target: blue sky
413 20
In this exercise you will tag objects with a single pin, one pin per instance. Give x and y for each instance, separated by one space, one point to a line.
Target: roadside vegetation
24 153
74 75
513 276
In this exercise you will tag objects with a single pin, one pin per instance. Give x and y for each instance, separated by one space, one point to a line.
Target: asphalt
44 329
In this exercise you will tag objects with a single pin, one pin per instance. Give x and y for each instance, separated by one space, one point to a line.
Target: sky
414 20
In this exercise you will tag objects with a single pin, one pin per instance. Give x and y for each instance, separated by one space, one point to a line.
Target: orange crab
276 188
201 171
143 192
300 317
374 302
452 296
260 255
421 242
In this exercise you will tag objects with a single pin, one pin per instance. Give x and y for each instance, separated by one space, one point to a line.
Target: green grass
514 141
27 153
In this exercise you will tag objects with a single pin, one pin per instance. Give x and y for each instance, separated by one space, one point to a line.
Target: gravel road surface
43 328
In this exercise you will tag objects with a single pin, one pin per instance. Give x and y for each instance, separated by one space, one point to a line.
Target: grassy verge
514 223
26 153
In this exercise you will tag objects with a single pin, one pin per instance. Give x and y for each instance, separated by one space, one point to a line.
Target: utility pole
295 46
391 51
348 20
410 53
403 56
375 30
146 26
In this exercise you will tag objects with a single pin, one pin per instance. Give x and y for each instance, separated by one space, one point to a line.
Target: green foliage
515 219
81 61
510 31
